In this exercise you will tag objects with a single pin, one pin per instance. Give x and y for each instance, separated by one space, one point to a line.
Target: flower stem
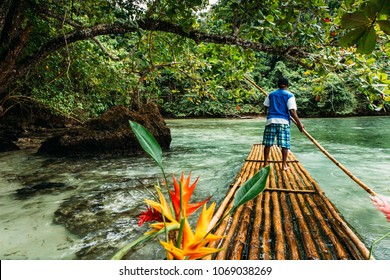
180 236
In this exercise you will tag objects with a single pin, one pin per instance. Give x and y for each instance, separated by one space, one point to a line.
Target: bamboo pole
246 171
313 220
308 242
222 255
277 220
346 171
254 246
335 218
289 229
266 238
285 204
318 210
245 220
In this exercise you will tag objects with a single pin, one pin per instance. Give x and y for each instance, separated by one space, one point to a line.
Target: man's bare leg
284 157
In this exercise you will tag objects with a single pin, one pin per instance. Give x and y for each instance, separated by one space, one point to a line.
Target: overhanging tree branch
84 33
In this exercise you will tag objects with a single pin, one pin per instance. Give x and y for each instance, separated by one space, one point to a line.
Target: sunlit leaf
147 142
270 18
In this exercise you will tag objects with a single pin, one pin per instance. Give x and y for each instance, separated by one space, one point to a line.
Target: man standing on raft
281 106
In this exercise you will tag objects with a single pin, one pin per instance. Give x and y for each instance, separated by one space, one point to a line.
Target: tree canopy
190 56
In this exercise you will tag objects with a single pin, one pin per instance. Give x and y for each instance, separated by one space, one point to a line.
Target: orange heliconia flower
194 245
187 192
164 209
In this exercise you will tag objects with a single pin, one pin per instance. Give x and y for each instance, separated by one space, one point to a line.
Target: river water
56 208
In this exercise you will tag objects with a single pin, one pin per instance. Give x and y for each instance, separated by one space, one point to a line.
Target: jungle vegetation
190 56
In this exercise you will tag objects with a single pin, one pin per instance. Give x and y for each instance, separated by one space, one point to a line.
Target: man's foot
285 168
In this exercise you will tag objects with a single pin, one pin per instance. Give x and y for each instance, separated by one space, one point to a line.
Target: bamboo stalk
328 229
246 170
351 235
266 239
240 240
242 232
337 221
254 246
290 190
292 245
225 202
346 171
308 243
220 231
270 161
289 229
231 232
277 220
276 216
315 229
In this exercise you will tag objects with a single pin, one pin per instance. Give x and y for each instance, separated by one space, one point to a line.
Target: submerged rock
104 217
41 188
109 135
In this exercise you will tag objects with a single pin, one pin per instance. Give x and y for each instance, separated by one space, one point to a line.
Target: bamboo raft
291 219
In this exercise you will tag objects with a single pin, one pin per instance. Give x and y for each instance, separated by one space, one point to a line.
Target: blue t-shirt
280 102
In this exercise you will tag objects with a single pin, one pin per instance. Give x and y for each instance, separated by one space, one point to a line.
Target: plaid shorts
282 133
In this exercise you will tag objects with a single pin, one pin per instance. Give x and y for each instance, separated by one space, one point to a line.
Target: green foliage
361 25
202 79
336 98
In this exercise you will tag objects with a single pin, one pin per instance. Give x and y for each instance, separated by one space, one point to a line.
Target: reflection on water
87 208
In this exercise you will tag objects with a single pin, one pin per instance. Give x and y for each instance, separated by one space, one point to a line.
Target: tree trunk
13 38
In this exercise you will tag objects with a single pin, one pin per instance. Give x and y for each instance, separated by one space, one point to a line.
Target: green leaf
371 10
122 252
147 142
252 187
348 3
353 20
270 18
385 26
368 41
146 237
383 6
352 37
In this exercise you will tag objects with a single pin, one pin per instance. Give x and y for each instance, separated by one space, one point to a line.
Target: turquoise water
96 212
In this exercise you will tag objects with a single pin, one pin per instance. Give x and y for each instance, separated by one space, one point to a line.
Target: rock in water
41 188
109 135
